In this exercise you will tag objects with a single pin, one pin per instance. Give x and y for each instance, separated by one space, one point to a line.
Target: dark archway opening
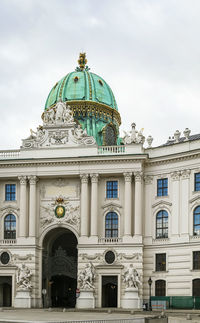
59 274
6 291
109 291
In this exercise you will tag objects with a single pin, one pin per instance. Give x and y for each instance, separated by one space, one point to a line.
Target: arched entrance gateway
59 268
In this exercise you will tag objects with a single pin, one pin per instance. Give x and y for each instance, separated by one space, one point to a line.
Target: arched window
162 224
160 287
10 227
196 287
111 225
196 225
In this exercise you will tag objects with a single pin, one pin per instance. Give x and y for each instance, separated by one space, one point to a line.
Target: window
10 227
196 259
111 225
196 224
162 187
111 189
196 287
10 192
162 224
160 287
197 182
161 262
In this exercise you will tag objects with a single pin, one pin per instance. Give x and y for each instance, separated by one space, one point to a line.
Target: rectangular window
161 262
162 187
111 189
197 182
196 259
10 193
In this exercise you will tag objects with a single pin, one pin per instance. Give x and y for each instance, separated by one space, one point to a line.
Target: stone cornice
167 159
70 161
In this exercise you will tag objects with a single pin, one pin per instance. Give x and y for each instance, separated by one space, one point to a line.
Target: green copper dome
92 102
82 86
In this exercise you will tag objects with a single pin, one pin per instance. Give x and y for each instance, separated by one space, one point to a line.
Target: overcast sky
148 51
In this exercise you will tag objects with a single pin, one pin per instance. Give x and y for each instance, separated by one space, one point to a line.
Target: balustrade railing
8 241
9 154
110 240
120 320
106 150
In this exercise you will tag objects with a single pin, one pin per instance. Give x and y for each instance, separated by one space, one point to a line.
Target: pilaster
94 204
32 206
84 205
23 207
127 204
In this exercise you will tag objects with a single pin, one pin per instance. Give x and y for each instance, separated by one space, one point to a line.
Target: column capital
94 178
128 177
148 179
175 175
32 179
22 180
185 173
84 178
138 176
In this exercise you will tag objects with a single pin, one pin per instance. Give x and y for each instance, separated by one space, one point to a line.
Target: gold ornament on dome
82 61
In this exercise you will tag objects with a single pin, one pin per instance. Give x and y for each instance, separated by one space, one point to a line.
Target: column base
86 299
131 299
23 299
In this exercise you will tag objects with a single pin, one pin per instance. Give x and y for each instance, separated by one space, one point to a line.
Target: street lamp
150 283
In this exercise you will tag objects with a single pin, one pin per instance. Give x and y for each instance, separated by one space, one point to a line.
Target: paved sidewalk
41 315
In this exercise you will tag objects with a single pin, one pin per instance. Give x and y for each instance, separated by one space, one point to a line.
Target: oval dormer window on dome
100 82
76 79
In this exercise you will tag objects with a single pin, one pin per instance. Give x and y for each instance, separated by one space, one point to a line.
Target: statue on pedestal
131 277
23 278
86 277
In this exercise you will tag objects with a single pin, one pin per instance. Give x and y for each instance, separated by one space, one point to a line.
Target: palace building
87 217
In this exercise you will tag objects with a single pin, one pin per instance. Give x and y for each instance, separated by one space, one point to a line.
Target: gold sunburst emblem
60 211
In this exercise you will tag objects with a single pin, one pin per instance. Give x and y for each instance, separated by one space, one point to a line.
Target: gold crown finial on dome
82 61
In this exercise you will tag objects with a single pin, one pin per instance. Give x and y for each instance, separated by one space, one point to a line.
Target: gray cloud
147 50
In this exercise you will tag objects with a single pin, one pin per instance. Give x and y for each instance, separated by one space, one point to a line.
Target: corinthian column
32 206
127 204
138 203
23 204
84 205
94 204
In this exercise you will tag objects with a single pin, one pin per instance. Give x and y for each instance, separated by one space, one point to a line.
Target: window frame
10 195
112 229
158 265
196 262
162 288
163 187
162 227
10 234
196 182
196 214
112 190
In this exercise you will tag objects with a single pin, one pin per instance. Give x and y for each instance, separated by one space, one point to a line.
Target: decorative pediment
110 207
195 201
9 209
161 204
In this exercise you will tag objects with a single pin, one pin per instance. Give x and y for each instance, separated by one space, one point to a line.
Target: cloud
147 51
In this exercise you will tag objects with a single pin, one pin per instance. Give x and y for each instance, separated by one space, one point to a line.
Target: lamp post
150 283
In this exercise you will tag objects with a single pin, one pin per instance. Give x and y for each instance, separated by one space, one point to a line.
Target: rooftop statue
134 136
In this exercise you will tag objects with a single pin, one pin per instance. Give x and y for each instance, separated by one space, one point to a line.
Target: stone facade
60 178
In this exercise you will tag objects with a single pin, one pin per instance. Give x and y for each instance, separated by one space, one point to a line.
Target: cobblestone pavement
41 315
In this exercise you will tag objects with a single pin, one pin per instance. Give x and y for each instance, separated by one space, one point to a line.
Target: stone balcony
8 241
113 240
